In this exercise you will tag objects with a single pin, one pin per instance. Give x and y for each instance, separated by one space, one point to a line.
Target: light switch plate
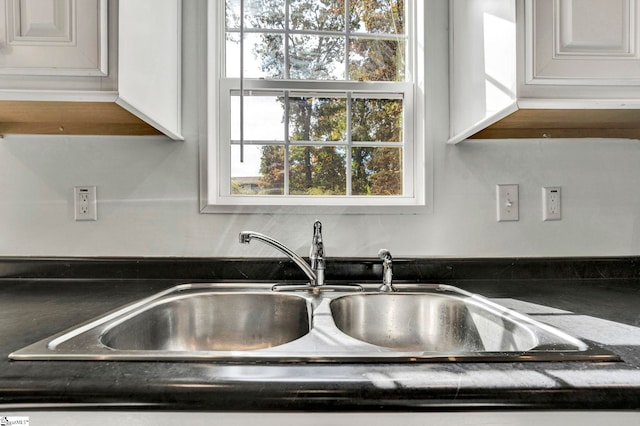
508 203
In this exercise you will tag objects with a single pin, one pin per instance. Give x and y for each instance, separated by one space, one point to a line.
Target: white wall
148 195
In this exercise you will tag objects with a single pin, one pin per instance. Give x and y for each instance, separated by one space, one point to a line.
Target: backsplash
148 203
343 269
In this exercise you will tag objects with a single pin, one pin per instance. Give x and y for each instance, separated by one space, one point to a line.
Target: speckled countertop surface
603 310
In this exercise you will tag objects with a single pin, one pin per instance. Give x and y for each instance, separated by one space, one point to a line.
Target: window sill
407 208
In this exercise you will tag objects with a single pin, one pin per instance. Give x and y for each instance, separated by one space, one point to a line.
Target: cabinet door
53 37
585 42
150 64
482 52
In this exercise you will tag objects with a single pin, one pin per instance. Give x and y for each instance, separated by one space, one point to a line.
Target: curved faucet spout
245 237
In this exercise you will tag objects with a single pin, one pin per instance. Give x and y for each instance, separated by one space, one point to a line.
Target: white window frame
215 171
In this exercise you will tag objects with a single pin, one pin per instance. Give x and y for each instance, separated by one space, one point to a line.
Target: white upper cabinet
45 37
482 67
540 68
149 58
57 48
582 42
123 59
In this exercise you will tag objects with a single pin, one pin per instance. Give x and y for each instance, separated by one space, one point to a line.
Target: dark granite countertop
603 310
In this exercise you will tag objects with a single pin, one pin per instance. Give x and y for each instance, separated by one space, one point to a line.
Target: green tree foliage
317 170
378 60
313 170
376 171
272 169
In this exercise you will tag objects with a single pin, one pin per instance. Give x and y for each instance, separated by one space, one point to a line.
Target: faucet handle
385 255
317 245
387 273
316 253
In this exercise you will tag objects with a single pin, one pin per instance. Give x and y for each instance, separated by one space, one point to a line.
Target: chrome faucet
387 272
315 272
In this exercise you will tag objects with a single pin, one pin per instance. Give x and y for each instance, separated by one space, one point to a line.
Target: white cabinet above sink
544 68
582 42
56 38
90 67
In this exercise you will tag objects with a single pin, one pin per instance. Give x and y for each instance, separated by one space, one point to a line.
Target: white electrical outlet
508 203
84 203
551 198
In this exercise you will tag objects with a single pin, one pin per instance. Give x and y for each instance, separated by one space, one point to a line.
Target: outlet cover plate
551 203
85 203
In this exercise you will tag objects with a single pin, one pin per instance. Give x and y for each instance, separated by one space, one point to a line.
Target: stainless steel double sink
252 323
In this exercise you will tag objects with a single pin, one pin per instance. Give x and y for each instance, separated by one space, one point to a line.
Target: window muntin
368 138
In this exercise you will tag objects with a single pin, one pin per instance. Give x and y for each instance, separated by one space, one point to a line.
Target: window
314 102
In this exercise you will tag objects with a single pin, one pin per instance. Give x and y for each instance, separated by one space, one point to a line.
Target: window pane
317 170
317 119
263 118
376 59
258 14
376 171
263 55
261 173
232 13
377 16
232 55
316 58
376 120
324 15
264 13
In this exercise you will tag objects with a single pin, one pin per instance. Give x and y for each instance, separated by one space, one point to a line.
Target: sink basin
430 322
248 322
212 322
